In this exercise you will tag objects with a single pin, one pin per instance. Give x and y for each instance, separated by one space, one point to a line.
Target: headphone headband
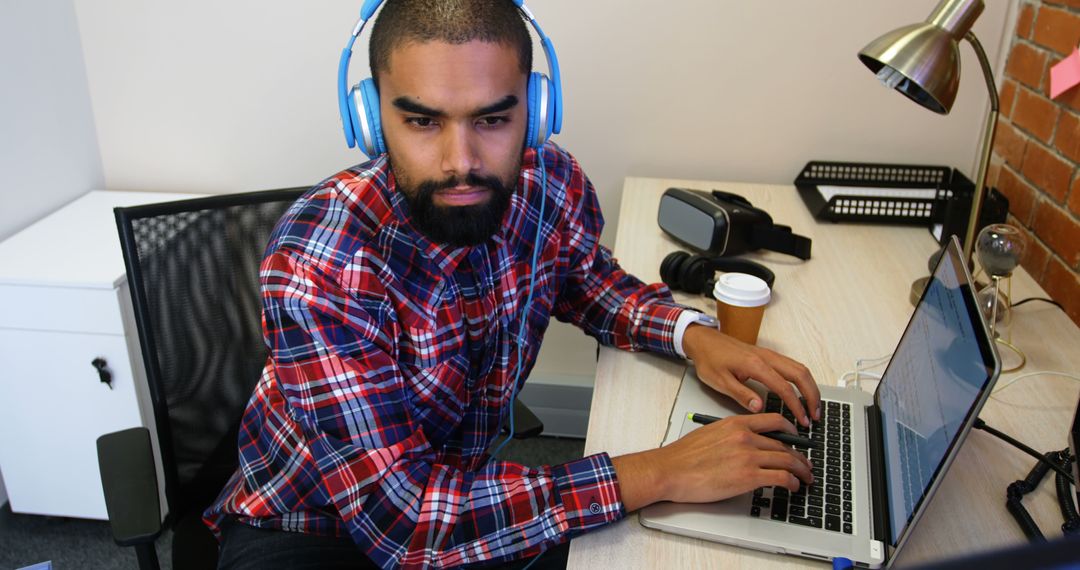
553 64
369 127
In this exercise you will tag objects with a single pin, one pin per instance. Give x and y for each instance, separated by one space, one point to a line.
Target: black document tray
879 193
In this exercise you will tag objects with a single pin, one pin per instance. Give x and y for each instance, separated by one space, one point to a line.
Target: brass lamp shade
921 61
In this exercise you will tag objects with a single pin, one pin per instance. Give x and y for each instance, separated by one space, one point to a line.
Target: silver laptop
882 455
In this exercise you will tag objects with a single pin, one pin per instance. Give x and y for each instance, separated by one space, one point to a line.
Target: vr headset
723 224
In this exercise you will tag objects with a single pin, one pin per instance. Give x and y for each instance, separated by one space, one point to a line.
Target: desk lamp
922 61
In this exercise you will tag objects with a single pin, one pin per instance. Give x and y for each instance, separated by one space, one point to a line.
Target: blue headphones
359 106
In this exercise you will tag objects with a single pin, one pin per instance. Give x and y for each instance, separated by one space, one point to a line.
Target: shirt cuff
589 492
655 328
687 318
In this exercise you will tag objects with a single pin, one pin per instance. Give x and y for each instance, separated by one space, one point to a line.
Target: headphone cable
528 299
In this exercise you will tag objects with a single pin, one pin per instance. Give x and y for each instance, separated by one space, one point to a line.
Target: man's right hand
714 462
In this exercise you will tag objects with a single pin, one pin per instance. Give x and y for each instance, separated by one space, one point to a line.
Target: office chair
193 274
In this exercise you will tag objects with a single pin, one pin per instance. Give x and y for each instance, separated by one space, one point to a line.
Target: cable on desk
1014 499
1068 509
1014 380
1043 299
855 378
980 424
862 366
1014 496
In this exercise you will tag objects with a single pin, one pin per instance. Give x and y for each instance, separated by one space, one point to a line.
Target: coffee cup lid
742 290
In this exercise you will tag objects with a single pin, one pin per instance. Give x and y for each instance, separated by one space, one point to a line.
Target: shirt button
595 508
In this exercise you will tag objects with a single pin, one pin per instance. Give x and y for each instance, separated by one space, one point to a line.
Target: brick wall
1037 148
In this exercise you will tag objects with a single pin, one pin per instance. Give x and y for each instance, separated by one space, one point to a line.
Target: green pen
777 435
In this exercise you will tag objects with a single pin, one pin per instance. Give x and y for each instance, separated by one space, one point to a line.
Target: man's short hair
450 21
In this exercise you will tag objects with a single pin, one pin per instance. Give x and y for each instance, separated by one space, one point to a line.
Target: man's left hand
725 364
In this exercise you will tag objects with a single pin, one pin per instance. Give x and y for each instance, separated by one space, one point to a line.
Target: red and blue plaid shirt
392 363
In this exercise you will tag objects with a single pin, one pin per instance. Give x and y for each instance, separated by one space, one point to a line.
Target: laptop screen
934 380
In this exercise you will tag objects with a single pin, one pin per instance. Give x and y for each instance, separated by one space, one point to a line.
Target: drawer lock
104 374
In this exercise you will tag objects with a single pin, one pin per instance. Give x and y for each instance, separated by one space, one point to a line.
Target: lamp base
917 288
1012 360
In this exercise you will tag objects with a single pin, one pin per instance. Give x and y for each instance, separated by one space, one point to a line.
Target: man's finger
740 392
769 444
776 383
777 478
787 461
800 376
761 423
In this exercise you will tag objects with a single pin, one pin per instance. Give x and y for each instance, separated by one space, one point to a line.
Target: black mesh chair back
193 272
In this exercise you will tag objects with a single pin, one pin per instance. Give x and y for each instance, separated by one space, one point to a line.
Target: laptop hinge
879 491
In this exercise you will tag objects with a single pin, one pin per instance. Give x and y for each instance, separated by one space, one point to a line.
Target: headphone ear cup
696 271
540 110
352 107
531 102
670 268
368 121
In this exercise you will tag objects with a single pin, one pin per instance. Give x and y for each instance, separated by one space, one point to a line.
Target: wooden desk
850 301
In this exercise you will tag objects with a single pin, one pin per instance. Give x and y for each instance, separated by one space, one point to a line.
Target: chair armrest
128 477
526 424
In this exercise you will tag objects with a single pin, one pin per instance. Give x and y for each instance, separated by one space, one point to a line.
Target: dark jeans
245 547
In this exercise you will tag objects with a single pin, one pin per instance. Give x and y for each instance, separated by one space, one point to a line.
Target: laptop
882 455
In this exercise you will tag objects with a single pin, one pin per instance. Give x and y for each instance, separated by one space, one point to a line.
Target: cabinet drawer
54 408
64 309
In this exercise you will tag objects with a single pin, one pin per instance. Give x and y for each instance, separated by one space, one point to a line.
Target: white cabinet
65 304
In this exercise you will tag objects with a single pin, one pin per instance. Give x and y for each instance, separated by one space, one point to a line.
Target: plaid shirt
392 362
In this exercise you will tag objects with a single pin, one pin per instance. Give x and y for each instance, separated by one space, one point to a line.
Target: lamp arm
987 145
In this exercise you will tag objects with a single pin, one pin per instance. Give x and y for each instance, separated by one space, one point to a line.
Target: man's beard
458 226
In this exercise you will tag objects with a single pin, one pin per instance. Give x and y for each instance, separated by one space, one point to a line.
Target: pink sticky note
1065 74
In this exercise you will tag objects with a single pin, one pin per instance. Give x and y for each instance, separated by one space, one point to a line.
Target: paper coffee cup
740 305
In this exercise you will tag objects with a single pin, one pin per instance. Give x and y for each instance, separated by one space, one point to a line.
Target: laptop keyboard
827 503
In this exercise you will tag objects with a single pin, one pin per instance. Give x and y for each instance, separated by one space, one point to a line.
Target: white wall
48 147
750 91
223 96
215 96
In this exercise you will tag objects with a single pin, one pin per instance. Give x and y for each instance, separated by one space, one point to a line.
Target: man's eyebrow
505 104
410 106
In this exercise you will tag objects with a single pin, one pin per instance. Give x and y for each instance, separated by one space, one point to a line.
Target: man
395 295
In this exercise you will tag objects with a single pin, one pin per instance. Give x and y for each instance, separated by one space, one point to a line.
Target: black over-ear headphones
696 273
